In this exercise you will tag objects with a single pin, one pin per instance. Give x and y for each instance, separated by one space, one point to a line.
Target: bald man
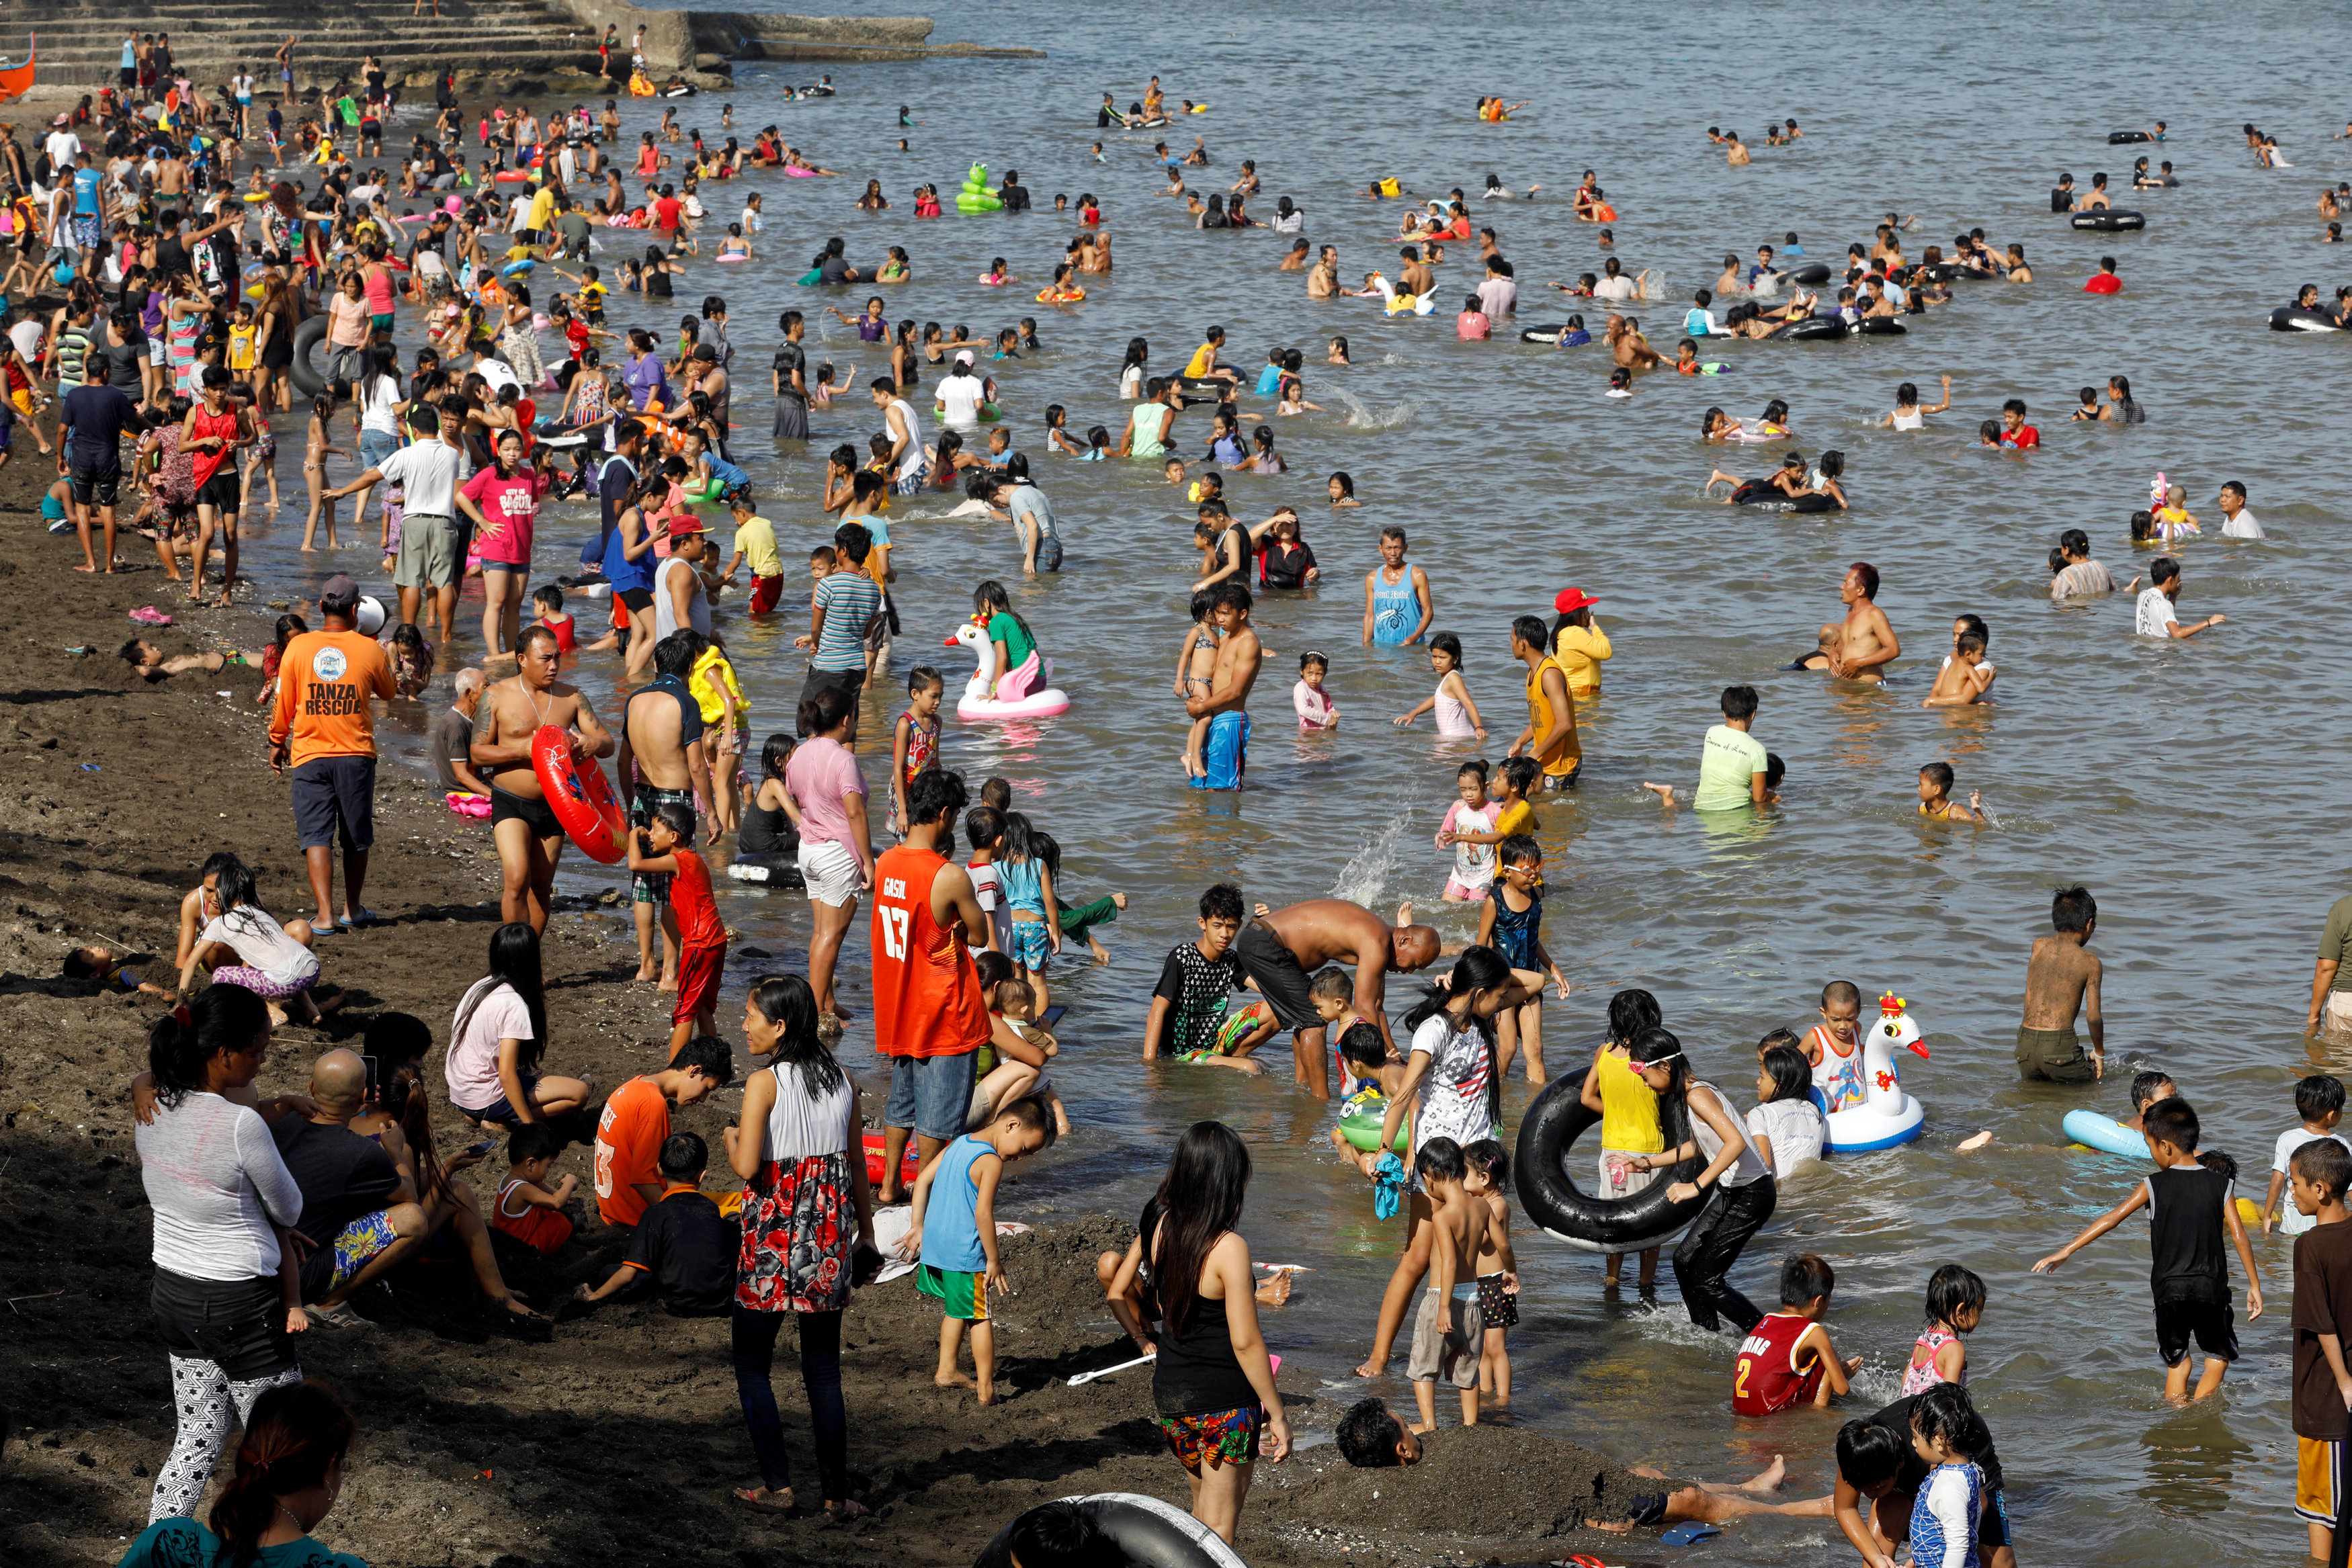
452 738
360 1207
1281 948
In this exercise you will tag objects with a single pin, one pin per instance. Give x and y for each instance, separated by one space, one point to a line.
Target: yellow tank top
240 347
1629 1109
1566 756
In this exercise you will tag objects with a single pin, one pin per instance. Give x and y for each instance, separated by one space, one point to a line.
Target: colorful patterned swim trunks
1215 1437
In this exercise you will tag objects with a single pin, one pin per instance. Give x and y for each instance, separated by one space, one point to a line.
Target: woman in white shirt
1786 1128
500 1035
1743 1189
243 946
223 1200
960 397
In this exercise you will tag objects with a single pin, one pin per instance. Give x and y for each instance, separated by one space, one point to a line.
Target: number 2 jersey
1767 1378
927 999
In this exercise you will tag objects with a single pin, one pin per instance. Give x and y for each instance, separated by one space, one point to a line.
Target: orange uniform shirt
926 999
629 1137
324 682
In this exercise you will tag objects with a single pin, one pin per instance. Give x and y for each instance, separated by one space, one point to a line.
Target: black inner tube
1141 1531
1548 1135
305 377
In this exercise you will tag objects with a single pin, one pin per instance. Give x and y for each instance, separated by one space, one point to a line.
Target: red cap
684 523
1571 600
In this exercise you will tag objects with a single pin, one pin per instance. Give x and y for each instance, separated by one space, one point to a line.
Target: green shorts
2054 1055
960 1295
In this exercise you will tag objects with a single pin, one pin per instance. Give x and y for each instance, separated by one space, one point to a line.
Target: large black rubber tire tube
1881 327
2120 137
1553 1198
1142 1530
307 379
2295 318
1813 329
1811 275
2110 220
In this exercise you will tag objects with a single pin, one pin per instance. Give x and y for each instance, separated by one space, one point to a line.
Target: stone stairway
80 44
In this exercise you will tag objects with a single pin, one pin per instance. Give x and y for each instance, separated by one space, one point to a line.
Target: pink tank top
1922 1375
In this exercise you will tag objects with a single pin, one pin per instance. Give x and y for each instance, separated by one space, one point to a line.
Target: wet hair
1739 701
1792 1074
223 1016
1060 1536
775 755
1438 1158
1448 644
677 816
293 1437
1475 764
1805 1276
514 962
1867 572
1946 1413
1869 1455
1630 1012
2319 1095
2144 1086
684 1154
2326 1162
1347 485
1939 774
1199 1200
2173 1122
1362 1045
1331 983
707 1055
1366 1437
1518 849
1488 1157
1953 1290
1222 902
935 794
1521 772
2072 909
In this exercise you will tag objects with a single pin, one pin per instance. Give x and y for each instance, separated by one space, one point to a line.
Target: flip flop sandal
760 1499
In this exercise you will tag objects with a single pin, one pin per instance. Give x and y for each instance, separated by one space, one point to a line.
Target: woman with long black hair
1699 1121
1212 1382
1450 1074
500 1036
223 1201
803 1162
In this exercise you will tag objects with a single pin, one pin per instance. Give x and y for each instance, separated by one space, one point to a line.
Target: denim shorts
932 1094
377 446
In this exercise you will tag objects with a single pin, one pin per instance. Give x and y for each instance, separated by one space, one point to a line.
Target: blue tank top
1396 611
1268 381
1018 883
1514 930
950 1217
627 575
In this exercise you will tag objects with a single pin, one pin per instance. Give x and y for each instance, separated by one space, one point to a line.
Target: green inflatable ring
1362 1131
989 414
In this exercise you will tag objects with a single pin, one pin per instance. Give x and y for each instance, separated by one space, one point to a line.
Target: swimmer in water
1630 348
1935 797
1737 158
1966 677
1908 414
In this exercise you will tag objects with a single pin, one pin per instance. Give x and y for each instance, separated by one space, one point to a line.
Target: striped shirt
849 600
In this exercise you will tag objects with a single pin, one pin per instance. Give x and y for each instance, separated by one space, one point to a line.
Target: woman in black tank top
1212 1382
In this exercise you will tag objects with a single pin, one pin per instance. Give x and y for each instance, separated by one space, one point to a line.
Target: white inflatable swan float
979 703
1886 1117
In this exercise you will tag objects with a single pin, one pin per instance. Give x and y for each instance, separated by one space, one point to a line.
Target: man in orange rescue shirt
323 728
930 1019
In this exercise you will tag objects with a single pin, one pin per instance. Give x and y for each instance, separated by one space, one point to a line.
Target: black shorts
2211 1324
850 682
1275 971
95 487
222 491
634 599
536 815
1649 1509
238 1325
335 800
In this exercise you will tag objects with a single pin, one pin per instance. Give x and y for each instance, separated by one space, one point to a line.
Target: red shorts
765 592
698 981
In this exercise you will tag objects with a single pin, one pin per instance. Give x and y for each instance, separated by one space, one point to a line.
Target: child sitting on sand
683 1249
526 1207
243 946
412 660
1019 1051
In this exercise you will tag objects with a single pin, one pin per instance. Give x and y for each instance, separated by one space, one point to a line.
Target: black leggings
754 1356
1712 1246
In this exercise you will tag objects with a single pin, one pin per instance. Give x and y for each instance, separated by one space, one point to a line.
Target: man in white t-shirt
63 147
2156 617
2237 523
959 396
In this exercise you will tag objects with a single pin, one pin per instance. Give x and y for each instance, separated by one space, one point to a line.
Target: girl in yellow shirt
1578 646
1629 1114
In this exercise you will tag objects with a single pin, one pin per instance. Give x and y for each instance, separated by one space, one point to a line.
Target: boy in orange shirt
667 846
635 1123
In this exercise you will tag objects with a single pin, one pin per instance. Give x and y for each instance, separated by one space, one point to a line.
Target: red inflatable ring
579 797
908 1167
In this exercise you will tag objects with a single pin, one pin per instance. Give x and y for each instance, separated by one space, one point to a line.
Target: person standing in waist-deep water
2061 979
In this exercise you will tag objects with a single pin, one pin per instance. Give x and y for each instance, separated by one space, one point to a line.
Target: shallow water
2185 783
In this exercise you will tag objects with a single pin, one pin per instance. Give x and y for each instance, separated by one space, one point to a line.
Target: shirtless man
1415 279
1280 951
1225 749
1628 346
1738 156
507 718
661 734
2062 975
1865 643
1323 281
